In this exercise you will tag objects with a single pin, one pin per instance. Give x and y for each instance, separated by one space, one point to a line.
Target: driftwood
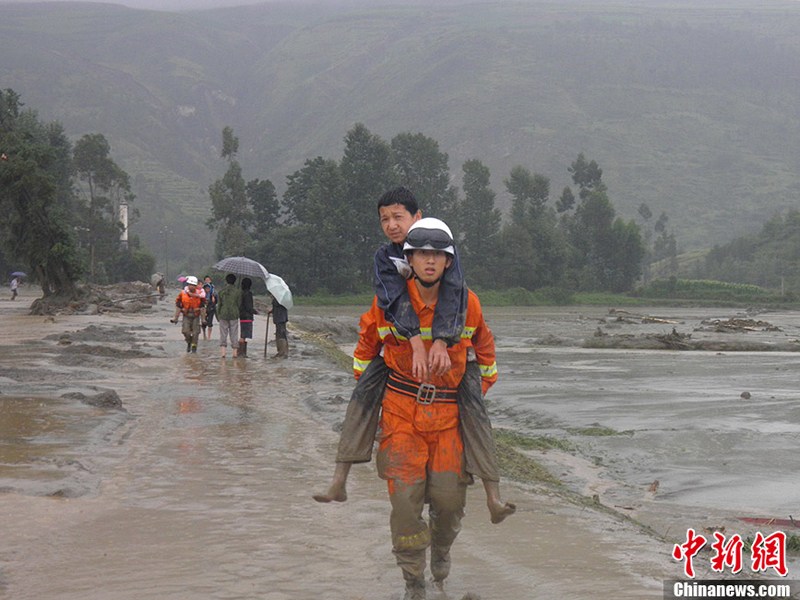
734 325
682 341
626 316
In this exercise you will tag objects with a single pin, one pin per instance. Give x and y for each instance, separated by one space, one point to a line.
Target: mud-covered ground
129 469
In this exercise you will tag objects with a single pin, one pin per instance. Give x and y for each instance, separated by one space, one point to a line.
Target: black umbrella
241 265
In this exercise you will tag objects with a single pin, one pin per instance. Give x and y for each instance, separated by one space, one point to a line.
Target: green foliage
423 168
367 170
480 226
769 258
63 204
528 442
606 253
102 187
698 289
35 197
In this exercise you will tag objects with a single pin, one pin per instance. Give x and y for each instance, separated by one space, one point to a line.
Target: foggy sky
167 5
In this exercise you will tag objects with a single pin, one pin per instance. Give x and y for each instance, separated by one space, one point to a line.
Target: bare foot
336 493
499 510
338 490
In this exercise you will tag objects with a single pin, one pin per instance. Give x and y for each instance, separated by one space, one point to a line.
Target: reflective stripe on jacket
377 334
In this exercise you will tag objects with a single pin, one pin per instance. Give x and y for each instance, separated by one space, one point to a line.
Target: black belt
424 393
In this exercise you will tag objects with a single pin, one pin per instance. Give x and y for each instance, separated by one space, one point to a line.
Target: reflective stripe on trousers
421 457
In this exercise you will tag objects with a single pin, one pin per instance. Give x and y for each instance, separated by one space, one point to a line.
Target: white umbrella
280 291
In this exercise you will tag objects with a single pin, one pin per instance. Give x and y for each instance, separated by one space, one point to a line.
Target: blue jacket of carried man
391 272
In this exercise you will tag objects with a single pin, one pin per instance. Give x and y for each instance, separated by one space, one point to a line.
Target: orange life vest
189 305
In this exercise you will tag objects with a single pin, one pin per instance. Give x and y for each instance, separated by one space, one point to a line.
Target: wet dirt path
202 489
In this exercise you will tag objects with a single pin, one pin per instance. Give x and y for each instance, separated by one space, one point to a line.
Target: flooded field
198 484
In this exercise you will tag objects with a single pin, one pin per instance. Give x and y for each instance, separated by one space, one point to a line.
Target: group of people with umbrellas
233 306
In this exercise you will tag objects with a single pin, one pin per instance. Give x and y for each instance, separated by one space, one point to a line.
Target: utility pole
166 232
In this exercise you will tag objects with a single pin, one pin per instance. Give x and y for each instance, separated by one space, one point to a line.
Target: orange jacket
189 305
377 333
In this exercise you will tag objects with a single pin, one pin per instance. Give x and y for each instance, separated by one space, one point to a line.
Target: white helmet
429 234
191 280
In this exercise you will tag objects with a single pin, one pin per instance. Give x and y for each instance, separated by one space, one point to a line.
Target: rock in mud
104 399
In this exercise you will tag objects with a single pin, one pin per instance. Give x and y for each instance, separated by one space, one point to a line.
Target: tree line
322 233
64 200
61 205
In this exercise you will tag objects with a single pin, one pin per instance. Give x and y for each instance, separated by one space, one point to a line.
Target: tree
605 252
317 245
231 215
609 252
423 169
517 259
367 172
529 194
480 225
628 252
264 205
566 201
105 186
587 176
532 237
35 197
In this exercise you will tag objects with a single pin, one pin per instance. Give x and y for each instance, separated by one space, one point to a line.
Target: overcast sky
156 4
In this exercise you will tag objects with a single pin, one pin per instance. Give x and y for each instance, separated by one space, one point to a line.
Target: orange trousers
421 457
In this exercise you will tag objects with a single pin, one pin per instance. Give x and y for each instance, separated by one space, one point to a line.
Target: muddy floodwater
132 470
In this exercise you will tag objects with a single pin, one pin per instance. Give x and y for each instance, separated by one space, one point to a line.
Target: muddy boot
194 348
283 348
188 346
243 349
440 565
415 587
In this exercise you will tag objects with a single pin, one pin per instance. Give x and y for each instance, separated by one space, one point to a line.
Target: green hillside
694 110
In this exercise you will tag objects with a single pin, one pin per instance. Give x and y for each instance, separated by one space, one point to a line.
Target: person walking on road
14 287
211 308
280 316
229 298
191 303
421 452
246 314
398 211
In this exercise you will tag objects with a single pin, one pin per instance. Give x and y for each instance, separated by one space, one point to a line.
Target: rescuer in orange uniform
191 303
420 451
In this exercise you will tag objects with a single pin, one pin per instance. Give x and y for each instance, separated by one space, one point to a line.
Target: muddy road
198 484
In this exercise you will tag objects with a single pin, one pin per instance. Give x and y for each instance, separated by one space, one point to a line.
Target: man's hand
438 358
419 359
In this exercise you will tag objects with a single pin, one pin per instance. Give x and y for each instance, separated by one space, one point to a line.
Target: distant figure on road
211 308
280 316
14 287
192 305
246 314
228 300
